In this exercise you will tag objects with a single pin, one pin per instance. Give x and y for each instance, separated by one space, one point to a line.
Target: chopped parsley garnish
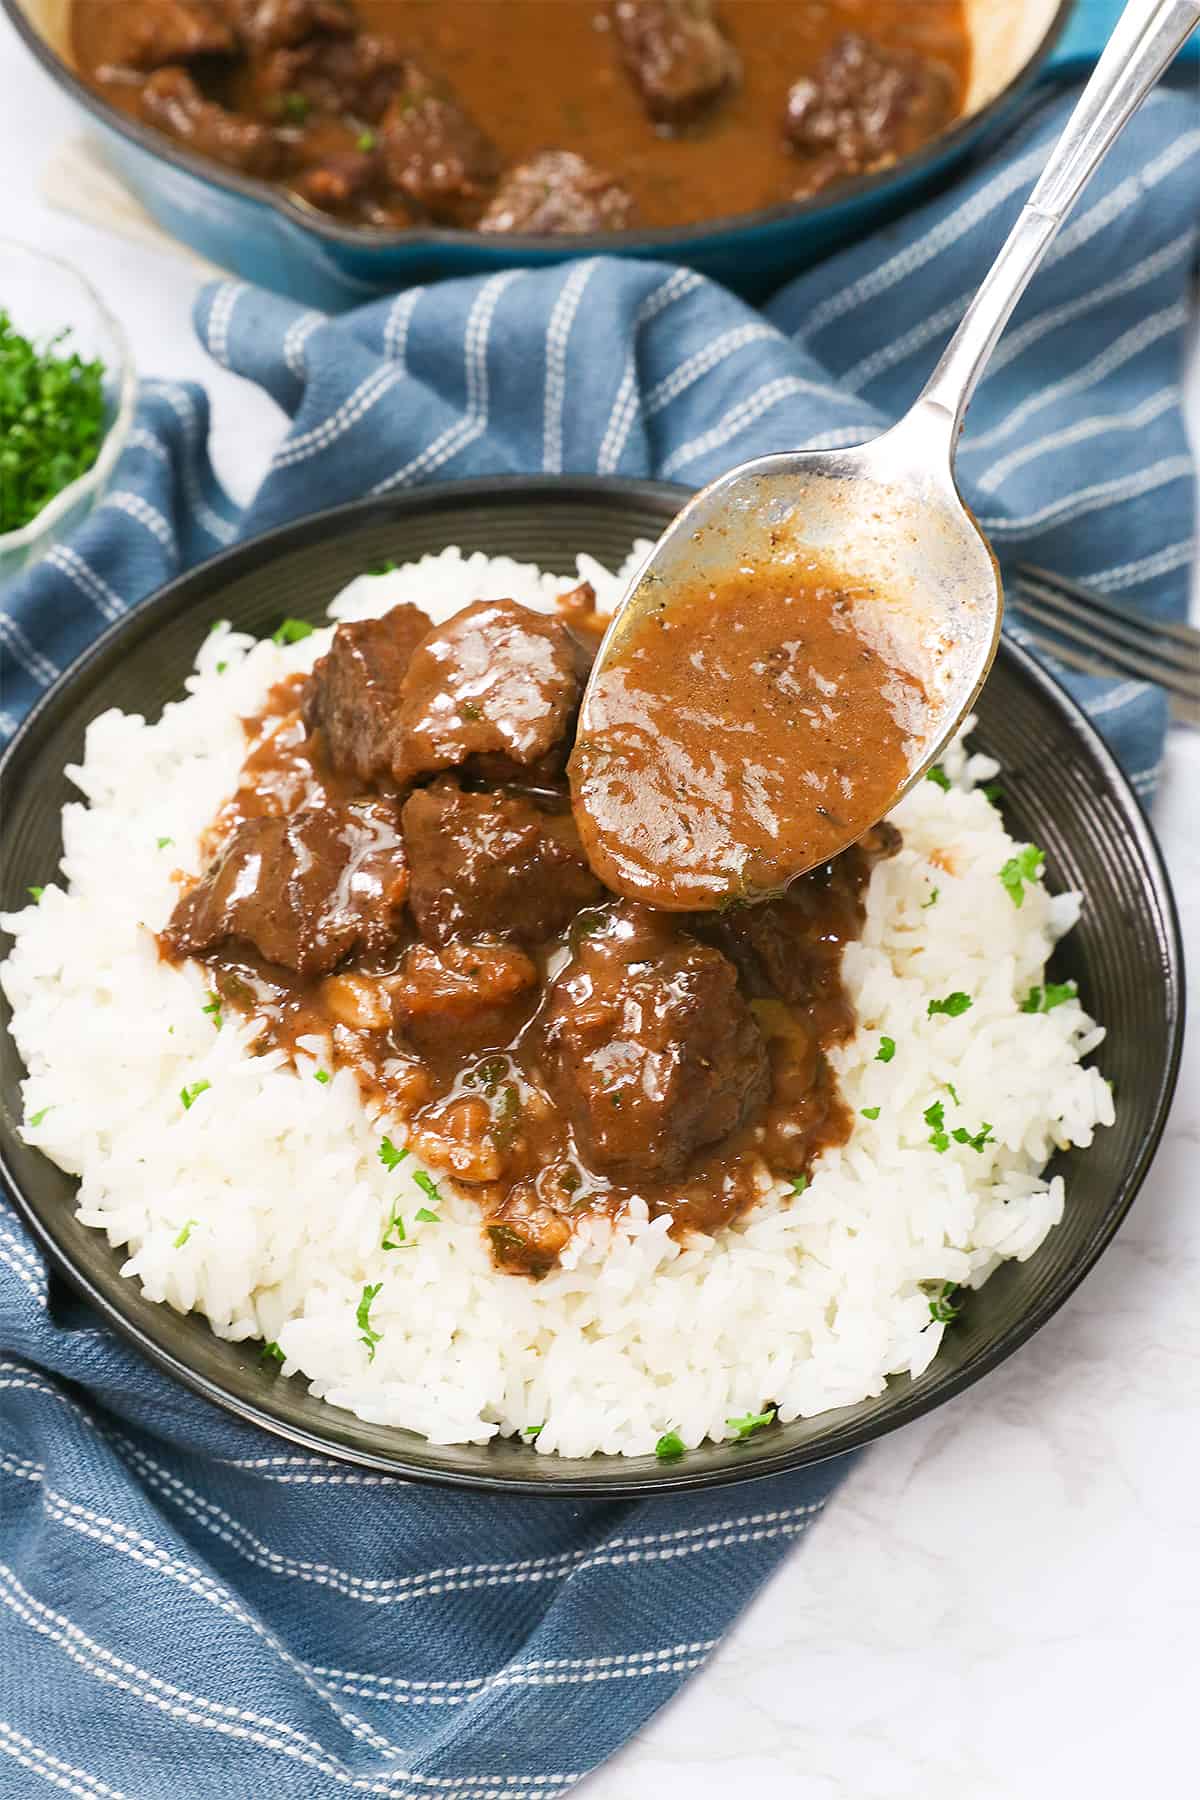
469 710
221 667
669 1446
939 777
427 1185
799 1183
163 842
362 1318
935 1118
870 1112
943 1307
294 107
271 1352
213 1009
389 1156
36 893
1045 999
993 792
51 422
952 1091
428 1218
189 1095
983 1136
886 1050
750 1423
291 631
39 1116
1025 866
383 568
185 1233
323 1076
218 625
618 1099
393 1232
366 140
531 1431
953 1005
933 894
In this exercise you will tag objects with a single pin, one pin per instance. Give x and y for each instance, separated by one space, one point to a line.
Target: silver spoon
887 514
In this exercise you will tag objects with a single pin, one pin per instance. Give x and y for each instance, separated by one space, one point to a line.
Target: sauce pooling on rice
398 873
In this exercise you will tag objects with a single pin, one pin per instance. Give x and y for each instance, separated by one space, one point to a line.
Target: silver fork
1086 631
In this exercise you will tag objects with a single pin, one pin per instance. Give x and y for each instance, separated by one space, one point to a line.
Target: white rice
264 1203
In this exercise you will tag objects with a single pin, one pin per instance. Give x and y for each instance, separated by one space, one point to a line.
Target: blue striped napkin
188 1608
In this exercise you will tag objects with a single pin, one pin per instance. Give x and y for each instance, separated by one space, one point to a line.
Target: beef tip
353 694
171 100
348 76
527 1233
434 155
557 194
152 33
676 55
865 106
281 24
496 679
491 863
462 999
340 181
648 1047
305 891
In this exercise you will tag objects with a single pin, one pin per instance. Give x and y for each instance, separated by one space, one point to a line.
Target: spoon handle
1143 41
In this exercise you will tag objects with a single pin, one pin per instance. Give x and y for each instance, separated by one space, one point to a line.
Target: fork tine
1185 710
1128 661
1058 588
1109 627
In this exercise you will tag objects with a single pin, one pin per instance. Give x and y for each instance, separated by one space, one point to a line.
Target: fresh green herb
221 667
799 1183
366 141
1025 866
189 1095
669 1447
531 1432
294 107
469 710
383 568
943 1307
213 1009
39 1116
953 1005
886 1050
51 422
163 842
271 1352
933 894
952 1091
185 1234
36 893
389 1156
218 625
870 1112
584 924
939 777
1045 999
617 1099
393 1232
935 1118
370 1337
291 631
992 791
750 1423
428 1218
983 1136
427 1185
323 1076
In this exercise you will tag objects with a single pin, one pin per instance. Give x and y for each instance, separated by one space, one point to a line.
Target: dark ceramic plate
1062 789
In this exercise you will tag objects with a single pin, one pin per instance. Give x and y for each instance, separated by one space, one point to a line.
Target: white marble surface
1003 1598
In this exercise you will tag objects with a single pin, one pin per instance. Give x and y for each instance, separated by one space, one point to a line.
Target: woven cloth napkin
188 1607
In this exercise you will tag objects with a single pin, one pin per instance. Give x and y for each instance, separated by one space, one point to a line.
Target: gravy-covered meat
863 106
677 56
560 194
650 1050
152 33
281 24
492 863
434 153
172 101
354 693
306 891
344 76
496 679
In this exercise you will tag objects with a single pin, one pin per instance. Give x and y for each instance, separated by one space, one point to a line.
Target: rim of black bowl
665 241
761 1460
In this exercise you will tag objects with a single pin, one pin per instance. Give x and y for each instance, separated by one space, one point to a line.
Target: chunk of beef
171 100
649 1048
434 154
462 999
151 33
491 863
354 692
557 194
495 679
339 181
349 76
676 55
864 106
281 24
305 891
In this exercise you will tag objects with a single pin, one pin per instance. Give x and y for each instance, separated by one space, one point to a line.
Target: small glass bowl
42 296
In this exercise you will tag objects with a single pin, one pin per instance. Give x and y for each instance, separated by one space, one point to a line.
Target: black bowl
1062 790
